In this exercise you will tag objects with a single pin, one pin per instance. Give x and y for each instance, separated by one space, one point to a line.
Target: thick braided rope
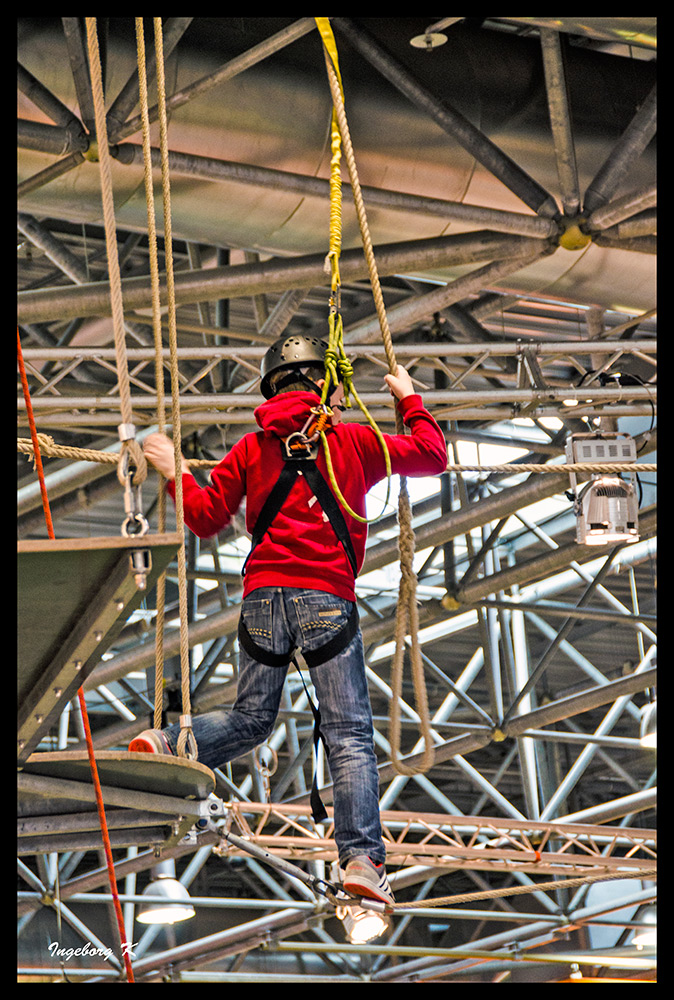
187 746
130 449
523 890
158 362
406 614
52 450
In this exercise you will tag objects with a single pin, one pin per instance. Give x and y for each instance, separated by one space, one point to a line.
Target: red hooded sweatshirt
300 549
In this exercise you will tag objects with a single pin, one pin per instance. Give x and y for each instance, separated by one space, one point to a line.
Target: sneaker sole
142 745
365 888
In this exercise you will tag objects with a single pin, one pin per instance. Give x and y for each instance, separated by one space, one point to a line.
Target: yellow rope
335 238
337 365
407 616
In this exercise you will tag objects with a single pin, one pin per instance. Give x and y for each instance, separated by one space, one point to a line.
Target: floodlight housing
607 512
606 507
167 900
362 925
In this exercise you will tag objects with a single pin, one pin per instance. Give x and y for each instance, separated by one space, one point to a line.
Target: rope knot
345 369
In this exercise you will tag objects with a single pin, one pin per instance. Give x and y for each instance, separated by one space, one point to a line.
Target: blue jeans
280 619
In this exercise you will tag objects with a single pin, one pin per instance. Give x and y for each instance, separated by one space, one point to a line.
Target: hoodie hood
286 413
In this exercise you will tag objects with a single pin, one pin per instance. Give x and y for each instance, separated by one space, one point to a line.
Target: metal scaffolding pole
622 208
586 755
560 120
278 275
212 169
545 659
629 148
429 351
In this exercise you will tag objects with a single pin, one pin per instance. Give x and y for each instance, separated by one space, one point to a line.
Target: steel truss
529 385
436 840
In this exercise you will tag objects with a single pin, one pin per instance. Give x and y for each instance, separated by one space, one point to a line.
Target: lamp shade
167 901
646 936
362 925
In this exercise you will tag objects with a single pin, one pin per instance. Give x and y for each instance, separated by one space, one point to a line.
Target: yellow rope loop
335 228
337 364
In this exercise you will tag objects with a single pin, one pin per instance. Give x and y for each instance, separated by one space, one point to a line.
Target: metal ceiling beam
128 97
432 398
209 168
626 151
560 120
425 351
641 31
276 275
404 315
228 71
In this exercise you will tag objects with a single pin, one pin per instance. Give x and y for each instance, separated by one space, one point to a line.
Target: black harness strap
313 657
326 499
293 467
279 494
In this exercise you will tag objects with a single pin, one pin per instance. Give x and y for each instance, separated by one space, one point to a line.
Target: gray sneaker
364 878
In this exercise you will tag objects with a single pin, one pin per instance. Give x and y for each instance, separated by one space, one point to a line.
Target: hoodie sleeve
422 452
209 509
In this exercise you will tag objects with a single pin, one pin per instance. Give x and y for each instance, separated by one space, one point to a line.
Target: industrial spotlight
167 901
606 507
361 925
647 935
362 922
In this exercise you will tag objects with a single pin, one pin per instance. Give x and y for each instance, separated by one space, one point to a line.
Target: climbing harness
301 462
299 453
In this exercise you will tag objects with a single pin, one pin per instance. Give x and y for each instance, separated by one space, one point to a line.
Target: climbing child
299 579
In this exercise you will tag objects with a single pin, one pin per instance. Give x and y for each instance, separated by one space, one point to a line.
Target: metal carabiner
135 522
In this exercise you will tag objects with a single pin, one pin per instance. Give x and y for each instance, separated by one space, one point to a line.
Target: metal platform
74 596
150 799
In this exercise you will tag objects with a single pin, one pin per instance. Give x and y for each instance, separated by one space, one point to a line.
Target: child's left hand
400 384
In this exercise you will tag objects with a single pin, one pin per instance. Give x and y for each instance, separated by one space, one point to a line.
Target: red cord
80 693
106 838
33 435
